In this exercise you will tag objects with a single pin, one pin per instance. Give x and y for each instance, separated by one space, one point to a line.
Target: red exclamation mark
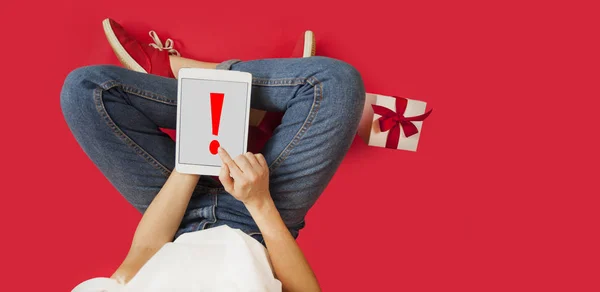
216 105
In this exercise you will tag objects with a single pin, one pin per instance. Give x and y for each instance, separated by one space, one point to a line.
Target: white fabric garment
215 259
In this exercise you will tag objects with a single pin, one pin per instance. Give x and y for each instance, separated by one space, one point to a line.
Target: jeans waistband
227 64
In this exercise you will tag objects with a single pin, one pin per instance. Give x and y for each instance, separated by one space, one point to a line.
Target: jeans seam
318 97
99 103
258 81
213 210
148 95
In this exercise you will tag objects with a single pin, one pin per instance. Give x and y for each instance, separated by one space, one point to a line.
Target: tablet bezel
212 75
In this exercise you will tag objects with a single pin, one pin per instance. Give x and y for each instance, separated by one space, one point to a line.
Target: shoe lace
159 45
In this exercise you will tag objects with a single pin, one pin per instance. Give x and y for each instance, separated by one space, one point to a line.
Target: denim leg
115 115
323 100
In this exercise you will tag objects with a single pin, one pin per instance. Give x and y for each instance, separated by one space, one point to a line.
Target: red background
502 194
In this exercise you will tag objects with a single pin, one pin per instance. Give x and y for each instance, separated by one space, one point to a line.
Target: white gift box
370 131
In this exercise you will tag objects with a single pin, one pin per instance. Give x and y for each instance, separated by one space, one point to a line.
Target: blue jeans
115 115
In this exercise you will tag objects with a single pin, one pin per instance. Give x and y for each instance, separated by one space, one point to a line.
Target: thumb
225 178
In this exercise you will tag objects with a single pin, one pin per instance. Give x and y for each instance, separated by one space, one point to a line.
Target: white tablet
213 109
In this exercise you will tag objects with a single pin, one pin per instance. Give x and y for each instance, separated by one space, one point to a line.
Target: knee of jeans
92 76
76 97
344 84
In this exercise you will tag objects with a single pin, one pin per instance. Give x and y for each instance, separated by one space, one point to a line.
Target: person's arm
159 223
247 178
288 261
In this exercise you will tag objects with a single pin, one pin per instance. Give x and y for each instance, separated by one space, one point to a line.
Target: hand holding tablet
213 108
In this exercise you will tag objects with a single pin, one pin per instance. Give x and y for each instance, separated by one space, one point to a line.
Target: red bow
389 121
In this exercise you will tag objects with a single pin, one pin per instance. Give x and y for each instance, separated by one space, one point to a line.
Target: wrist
187 176
260 205
267 218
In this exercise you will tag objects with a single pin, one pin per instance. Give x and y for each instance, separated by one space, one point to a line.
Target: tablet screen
196 130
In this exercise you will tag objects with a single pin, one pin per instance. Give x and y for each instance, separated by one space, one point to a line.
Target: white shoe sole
309 44
119 50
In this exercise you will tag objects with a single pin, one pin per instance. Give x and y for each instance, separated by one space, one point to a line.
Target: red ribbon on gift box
392 121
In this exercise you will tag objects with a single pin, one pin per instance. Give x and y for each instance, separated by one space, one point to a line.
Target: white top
215 259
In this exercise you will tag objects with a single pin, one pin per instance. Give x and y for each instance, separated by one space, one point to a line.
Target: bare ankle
179 62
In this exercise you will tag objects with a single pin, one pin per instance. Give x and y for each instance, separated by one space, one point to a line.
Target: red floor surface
501 196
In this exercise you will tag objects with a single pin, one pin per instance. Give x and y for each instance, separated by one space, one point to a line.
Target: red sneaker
153 58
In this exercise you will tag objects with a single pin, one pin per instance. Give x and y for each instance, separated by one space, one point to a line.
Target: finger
226 179
243 163
233 167
252 159
261 160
